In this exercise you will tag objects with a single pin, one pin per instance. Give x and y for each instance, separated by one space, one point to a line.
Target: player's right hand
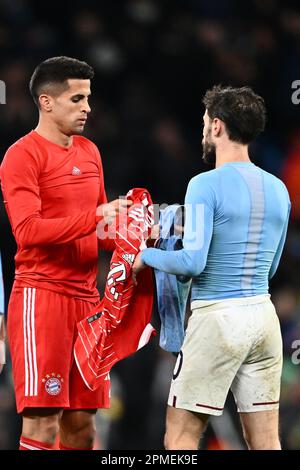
111 210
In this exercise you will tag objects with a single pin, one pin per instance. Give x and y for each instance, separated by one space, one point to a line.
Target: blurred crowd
153 61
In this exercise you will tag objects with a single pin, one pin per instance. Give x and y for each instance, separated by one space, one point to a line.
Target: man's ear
216 127
46 103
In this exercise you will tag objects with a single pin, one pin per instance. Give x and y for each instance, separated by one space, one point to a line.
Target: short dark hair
53 74
242 111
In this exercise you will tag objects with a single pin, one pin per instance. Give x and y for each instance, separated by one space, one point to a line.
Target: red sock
63 447
30 444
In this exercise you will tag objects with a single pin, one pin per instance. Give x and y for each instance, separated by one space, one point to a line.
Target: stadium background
153 60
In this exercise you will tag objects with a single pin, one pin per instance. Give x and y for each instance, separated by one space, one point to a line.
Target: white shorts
229 344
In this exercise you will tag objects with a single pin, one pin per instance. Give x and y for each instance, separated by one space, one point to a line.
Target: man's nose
86 108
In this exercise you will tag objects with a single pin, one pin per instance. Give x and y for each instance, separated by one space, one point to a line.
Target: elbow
193 270
29 233
23 241
193 265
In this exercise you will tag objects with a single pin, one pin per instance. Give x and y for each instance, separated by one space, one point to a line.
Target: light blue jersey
236 223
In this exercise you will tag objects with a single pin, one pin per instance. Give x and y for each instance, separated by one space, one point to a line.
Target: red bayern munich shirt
51 194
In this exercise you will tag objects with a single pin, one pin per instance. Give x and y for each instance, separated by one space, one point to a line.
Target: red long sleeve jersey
51 194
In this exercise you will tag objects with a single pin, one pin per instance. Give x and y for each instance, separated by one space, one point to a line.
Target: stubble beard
209 149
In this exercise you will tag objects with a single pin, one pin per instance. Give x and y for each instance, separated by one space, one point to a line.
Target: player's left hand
138 266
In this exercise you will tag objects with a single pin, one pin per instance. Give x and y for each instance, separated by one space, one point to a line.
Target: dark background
153 62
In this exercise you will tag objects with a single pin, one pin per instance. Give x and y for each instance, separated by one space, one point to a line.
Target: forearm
182 262
36 231
191 260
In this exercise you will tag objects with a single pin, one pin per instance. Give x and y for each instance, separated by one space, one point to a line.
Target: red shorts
42 331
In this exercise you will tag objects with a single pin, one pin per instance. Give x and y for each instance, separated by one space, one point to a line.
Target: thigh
261 429
184 428
40 331
214 348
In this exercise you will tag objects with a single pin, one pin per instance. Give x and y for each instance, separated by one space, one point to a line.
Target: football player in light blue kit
235 229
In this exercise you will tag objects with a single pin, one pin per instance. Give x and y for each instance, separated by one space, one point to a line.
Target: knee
85 435
167 443
43 429
170 442
183 441
250 439
52 428
183 429
247 439
262 442
78 434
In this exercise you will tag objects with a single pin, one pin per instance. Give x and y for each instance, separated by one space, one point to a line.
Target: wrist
142 256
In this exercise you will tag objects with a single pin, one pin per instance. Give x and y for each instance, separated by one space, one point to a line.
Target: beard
209 149
209 153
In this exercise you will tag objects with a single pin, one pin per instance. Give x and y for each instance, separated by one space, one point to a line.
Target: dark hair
242 111
53 74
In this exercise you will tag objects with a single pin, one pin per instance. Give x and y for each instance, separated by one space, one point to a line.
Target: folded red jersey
120 325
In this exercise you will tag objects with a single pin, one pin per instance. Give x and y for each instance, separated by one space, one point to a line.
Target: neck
49 131
229 151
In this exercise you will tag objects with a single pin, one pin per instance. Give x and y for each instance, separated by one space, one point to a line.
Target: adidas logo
76 171
129 258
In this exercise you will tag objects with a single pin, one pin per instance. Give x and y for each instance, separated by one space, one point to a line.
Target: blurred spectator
153 60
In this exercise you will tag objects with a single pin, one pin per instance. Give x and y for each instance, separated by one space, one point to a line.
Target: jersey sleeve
279 250
106 244
198 228
20 185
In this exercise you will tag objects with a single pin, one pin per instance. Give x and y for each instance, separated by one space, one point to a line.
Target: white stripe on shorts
30 360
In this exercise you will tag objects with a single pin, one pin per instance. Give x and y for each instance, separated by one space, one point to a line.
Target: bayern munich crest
53 383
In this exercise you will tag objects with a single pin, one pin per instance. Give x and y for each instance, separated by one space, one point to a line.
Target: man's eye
75 100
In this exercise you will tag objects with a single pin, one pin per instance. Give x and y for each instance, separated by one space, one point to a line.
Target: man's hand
138 266
111 210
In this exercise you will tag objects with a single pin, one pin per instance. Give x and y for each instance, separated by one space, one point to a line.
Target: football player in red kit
52 182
